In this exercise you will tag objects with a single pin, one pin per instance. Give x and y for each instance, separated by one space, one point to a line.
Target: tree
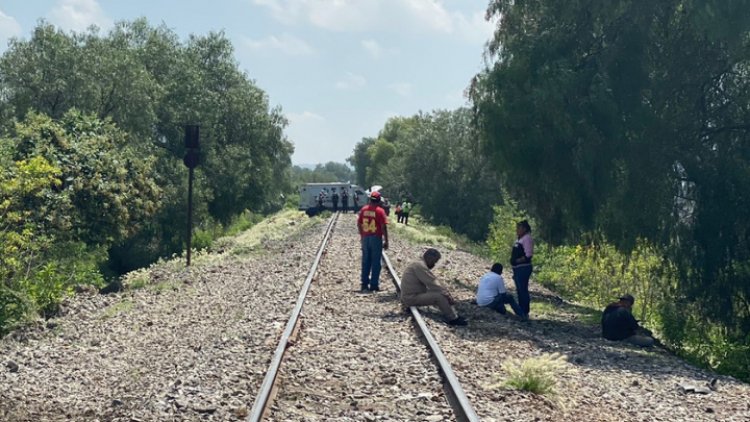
630 120
149 83
435 160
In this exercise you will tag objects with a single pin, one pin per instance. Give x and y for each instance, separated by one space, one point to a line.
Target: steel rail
261 401
456 395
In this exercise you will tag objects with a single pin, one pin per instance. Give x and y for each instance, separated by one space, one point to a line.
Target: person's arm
359 223
429 279
632 324
384 224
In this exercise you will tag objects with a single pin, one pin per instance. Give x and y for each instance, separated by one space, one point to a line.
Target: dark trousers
405 217
345 205
499 302
335 206
521 277
372 252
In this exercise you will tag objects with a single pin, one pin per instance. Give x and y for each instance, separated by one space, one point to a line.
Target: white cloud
304 117
385 15
9 27
286 43
78 15
373 48
403 89
351 82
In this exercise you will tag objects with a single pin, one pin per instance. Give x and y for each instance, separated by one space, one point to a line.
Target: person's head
627 300
522 228
375 197
431 257
497 268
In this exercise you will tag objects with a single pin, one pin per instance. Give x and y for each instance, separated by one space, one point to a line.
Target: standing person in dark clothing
345 200
618 324
355 199
335 200
373 230
520 260
321 198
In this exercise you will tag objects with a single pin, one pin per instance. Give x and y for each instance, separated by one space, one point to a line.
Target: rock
51 325
241 412
710 410
205 409
12 366
434 418
689 388
117 402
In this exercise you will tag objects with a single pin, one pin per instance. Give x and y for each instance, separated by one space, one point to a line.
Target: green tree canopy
630 120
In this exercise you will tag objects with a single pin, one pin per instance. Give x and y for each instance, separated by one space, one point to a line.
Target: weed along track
356 357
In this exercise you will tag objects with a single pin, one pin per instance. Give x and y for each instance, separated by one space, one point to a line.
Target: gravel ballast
358 357
603 380
191 345
195 345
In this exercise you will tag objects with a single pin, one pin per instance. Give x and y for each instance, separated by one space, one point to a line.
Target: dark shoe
458 322
374 289
364 289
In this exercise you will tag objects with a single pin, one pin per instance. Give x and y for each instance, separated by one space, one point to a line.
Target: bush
15 308
537 375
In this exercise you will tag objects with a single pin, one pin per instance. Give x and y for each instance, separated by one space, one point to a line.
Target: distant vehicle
309 193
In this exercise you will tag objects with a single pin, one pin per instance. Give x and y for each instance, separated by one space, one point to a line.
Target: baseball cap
375 195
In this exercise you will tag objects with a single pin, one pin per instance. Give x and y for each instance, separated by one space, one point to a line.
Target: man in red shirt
372 223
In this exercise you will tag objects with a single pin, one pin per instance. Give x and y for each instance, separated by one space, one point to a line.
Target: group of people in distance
403 209
420 287
335 197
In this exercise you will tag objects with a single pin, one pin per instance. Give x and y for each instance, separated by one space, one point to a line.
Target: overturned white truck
309 195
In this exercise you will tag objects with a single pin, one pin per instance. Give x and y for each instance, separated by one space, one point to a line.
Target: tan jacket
418 279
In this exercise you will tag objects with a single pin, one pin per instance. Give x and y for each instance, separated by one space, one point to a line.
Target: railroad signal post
192 145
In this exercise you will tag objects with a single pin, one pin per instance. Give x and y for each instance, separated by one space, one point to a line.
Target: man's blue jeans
499 304
372 252
521 277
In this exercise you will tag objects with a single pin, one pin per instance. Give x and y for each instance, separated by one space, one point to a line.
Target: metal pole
190 214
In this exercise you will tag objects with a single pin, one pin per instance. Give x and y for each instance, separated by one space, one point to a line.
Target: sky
337 68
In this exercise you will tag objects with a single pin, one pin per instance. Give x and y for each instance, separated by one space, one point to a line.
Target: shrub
15 308
537 375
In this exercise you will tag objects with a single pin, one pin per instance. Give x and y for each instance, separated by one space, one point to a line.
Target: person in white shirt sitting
492 294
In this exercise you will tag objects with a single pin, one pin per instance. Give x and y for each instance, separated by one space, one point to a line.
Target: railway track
355 358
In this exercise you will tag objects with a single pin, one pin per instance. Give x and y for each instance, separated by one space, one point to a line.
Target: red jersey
371 220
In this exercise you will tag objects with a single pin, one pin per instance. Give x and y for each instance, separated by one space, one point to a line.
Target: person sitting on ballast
419 287
492 293
619 324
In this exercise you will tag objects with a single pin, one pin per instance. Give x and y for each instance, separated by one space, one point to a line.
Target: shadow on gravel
580 342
